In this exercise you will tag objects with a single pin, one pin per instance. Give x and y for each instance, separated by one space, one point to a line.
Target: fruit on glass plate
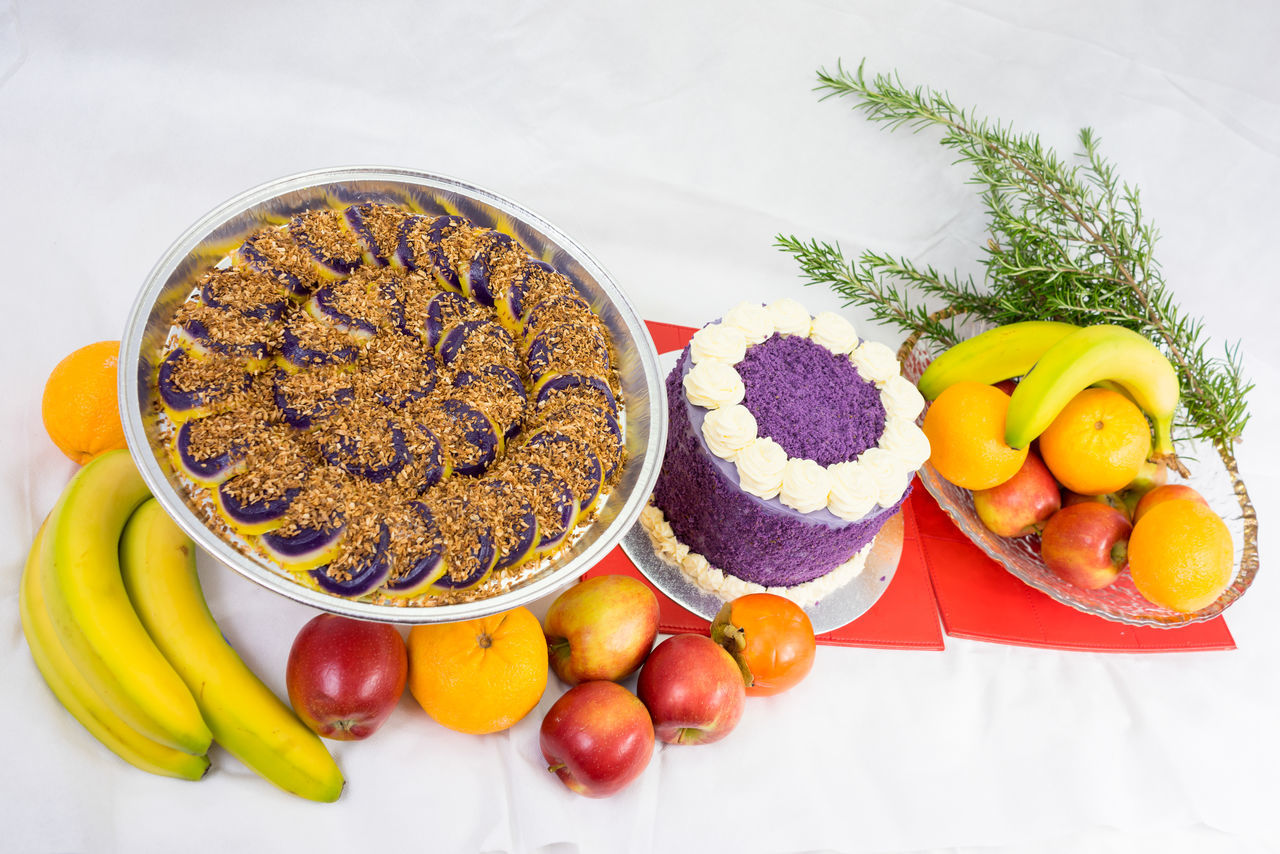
1097 443
597 738
1086 544
771 639
693 690
601 628
966 429
345 676
1181 555
79 406
158 563
479 676
1023 503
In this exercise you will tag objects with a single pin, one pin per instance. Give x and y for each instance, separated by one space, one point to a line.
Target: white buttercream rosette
850 490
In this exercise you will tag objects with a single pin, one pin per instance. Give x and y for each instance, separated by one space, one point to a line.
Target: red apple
601 628
344 676
597 738
1023 503
1167 492
1086 544
693 689
1151 475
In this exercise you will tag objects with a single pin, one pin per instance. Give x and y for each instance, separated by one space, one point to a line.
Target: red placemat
980 599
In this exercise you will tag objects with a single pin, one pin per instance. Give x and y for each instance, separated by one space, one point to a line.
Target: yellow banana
91 613
79 698
998 354
159 566
1094 353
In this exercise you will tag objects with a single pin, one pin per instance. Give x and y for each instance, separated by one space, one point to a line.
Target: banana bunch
118 626
1056 362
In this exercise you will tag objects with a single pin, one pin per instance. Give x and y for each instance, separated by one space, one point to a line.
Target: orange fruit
482 675
1180 555
965 428
79 407
1098 442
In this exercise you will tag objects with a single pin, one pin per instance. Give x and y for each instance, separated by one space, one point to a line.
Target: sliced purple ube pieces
429 455
435 261
522 525
303 418
443 310
270 311
541 355
481 557
478 283
211 470
551 383
588 468
546 312
507 376
255 516
563 418
182 401
355 217
334 265
511 308
299 355
252 257
565 505
427 567
426 376
365 576
478 432
390 291
203 341
455 337
345 452
404 254
306 548
323 307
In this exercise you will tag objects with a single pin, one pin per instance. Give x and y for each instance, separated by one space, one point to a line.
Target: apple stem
556 767
559 648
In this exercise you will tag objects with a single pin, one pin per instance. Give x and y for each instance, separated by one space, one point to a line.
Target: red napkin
981 600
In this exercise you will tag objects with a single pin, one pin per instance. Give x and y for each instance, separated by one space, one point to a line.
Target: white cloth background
673 140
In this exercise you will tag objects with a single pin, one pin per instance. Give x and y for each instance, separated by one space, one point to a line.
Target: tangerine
965 428
1098 442
79 406
479 676
1180 555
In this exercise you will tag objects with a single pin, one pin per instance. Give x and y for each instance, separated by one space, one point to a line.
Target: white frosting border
850 490
696 568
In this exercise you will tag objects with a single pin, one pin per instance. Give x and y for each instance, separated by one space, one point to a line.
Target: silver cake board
835 610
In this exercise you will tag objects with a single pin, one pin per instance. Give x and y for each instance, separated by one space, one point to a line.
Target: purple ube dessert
816 406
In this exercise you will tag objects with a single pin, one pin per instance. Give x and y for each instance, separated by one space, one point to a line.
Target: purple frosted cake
790 444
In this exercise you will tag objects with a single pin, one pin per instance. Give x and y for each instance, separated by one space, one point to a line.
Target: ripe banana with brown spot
1083 358
158 562
1002 353
75 693
91 614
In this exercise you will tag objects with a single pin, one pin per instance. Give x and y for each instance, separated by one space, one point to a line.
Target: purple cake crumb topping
816 406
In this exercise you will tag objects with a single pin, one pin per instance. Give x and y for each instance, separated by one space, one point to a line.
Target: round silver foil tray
209 240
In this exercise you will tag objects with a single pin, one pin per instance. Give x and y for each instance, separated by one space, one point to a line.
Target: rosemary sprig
1068 242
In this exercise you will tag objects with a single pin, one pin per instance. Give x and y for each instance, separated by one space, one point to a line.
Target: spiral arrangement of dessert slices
392 404
118 626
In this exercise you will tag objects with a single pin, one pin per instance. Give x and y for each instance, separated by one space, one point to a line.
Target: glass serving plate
222 229
1213 475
